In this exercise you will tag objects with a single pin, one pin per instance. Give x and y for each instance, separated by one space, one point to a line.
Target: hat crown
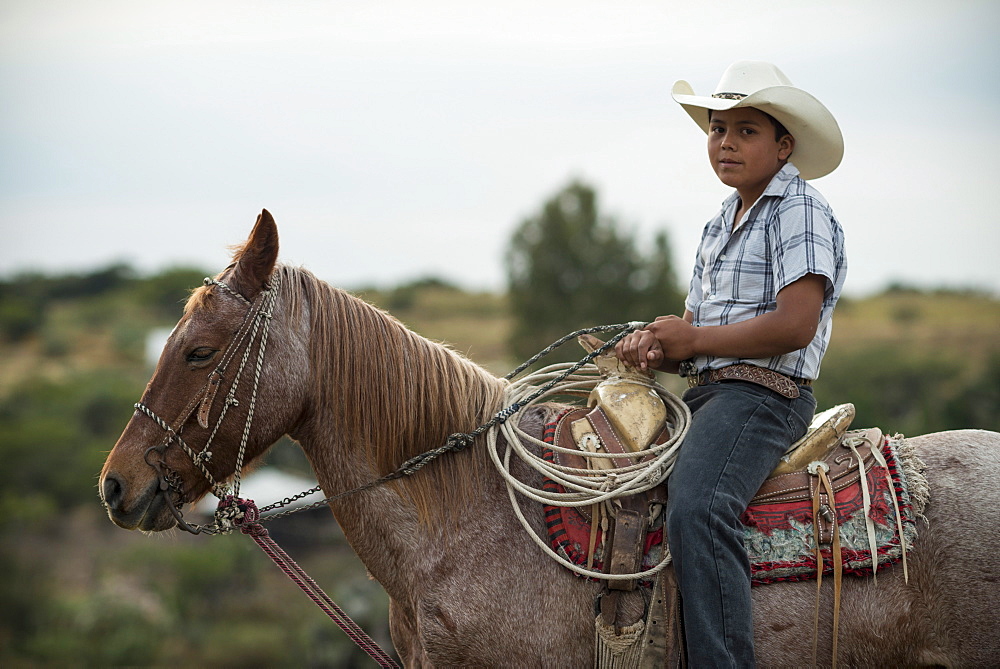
749 76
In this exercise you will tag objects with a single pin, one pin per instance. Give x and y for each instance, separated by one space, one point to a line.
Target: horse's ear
255 260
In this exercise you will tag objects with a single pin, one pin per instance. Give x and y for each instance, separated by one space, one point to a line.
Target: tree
569 267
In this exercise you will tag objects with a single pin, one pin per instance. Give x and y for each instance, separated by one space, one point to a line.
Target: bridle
255 327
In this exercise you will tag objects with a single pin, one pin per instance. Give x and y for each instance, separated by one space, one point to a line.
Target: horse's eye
201 354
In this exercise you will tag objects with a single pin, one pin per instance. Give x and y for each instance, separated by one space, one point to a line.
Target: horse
361 394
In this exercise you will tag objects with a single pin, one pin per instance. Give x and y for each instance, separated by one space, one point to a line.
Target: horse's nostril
111 491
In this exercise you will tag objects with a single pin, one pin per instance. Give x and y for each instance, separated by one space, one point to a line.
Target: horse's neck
398 548
436 393
408 556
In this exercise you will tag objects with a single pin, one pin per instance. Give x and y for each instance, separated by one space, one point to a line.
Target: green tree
570 267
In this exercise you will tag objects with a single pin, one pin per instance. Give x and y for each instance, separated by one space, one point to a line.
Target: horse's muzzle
147 511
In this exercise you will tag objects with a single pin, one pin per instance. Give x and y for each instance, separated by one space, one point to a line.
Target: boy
756 324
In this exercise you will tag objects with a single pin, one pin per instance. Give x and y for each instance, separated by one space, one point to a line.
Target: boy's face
744 153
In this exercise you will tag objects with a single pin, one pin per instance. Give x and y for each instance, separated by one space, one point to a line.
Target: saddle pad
778 537
569 527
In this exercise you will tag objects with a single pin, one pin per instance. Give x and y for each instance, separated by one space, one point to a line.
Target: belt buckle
690 372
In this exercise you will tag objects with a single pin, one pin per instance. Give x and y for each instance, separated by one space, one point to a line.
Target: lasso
583 487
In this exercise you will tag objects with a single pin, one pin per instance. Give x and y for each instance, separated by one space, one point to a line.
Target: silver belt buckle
690 372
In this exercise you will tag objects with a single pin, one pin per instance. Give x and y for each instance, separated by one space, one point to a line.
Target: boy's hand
640 349
667 338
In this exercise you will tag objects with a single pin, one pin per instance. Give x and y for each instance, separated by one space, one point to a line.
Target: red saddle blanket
779 537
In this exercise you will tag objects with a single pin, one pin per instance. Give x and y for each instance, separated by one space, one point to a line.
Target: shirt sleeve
695 294
805 238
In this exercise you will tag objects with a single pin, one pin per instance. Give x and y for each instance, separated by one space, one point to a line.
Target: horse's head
212 378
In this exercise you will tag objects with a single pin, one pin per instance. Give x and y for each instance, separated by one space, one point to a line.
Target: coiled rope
584 487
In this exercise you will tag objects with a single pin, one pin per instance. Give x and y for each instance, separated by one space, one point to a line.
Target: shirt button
722 257
712 296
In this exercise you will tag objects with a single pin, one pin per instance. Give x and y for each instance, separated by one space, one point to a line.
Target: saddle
624 416
821 452
816 468
797 478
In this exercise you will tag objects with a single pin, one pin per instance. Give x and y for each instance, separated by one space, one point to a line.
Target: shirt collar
780 181
777 187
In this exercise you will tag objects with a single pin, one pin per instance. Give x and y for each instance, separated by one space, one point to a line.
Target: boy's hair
779 130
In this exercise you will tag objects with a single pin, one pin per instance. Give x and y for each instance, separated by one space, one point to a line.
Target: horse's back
963 475
958 453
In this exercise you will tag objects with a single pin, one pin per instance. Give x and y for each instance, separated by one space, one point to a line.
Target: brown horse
361 394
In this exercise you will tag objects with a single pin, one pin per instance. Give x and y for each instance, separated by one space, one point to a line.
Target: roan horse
361 394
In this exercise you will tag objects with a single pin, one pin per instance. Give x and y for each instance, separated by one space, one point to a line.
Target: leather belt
779 383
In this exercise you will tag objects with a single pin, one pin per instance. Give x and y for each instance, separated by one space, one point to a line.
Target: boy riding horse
757 321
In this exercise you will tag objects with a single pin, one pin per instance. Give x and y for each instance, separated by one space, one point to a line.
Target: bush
54 437
570 267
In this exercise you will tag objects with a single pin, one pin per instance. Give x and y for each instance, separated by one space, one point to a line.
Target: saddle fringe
913 469
620 650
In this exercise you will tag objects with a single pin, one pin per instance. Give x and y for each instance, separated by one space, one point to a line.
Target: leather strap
838 565
663 639
214 379
626 547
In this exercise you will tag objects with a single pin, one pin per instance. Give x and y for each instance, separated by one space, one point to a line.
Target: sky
402 139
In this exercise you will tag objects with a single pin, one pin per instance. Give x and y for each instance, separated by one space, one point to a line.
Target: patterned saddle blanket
780 534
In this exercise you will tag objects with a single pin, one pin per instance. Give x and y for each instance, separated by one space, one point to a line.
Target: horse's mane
392 394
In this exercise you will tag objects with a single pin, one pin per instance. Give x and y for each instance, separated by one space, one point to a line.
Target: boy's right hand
661 344
641 349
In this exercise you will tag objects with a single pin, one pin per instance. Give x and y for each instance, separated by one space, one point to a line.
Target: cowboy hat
819 145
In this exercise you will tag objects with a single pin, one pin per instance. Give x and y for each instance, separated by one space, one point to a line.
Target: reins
233 512
461 440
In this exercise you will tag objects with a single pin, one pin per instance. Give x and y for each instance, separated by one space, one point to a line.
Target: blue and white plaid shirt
789 232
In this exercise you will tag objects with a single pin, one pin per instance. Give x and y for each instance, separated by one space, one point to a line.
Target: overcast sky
394 140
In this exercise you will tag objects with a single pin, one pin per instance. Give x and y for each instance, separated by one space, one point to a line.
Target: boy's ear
786 145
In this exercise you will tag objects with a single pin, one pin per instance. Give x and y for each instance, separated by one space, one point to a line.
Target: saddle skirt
864 507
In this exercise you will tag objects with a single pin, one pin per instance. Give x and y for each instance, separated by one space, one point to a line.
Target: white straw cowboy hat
819 146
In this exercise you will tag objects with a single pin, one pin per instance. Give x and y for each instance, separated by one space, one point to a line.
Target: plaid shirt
789 232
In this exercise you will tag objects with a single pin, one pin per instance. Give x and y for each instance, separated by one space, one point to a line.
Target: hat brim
819 144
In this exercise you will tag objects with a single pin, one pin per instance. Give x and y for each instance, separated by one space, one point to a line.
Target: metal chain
460 440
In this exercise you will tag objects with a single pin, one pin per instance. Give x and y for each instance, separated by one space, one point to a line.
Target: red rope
249 525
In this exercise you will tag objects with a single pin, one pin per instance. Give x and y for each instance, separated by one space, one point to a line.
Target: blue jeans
738 433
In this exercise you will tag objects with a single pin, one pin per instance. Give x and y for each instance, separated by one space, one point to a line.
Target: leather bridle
256 325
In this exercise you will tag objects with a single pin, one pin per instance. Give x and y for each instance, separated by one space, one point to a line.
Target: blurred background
493 176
